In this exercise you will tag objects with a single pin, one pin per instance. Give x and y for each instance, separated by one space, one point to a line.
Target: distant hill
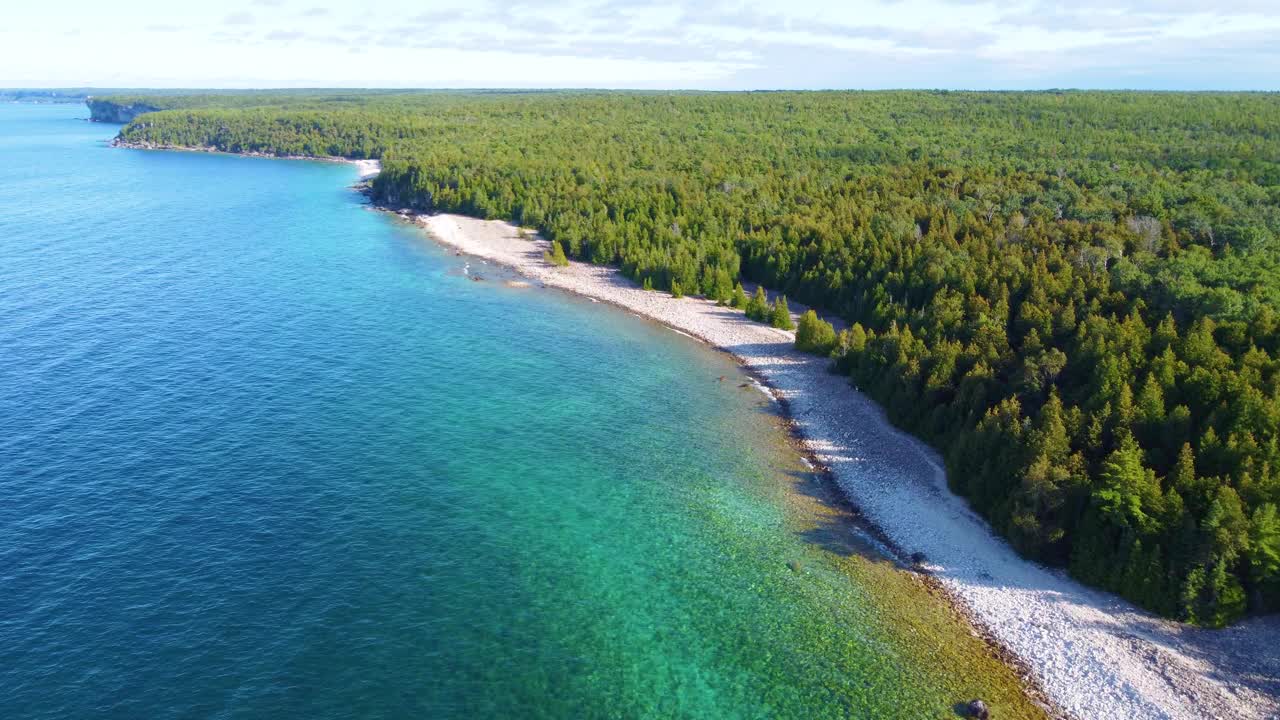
41 95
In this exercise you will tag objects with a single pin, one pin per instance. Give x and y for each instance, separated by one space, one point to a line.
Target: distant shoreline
366 167
1092 654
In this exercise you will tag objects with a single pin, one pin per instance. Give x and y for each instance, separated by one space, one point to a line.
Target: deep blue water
265 453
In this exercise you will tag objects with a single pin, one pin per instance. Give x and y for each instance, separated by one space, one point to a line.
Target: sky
649 44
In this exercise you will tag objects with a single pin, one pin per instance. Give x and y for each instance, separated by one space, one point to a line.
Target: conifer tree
556 255
1128 493
780 317
1045 482
758 305
1264 555
814 334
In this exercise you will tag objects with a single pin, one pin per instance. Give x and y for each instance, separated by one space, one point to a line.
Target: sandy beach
1092 654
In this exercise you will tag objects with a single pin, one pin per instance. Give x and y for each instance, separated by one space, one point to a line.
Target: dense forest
1072 295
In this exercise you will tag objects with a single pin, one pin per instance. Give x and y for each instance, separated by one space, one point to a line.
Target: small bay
266 453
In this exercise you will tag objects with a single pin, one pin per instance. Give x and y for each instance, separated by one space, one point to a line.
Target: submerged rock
978 709
795 566
918 558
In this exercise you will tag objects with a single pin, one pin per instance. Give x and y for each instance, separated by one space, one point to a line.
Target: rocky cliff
112 112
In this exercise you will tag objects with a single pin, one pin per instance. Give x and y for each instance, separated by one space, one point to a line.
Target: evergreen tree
758 306
780 316
556 255
1212 596
1264 555
1039 501
814 334
1127 495
1193 587
1226 527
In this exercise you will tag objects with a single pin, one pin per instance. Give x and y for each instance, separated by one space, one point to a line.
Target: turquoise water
267 454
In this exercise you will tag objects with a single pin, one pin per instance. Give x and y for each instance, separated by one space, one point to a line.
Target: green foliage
815 335
780 315
1051 474
1212 597
556 255
1264 554
1127 495
758 307
1073 295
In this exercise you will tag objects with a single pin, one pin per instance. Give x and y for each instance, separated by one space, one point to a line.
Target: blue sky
737 44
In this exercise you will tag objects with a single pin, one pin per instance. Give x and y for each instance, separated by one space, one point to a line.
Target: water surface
267 454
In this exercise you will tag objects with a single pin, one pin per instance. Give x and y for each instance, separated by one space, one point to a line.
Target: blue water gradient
267 454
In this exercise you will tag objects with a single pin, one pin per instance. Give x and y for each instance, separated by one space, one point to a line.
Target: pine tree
1128 492
1166 334
1192 589
780 317
1183 475
1225 601
556 256
1151 402
1226 526
722 287
1041 495
758 306
1264 554
739 298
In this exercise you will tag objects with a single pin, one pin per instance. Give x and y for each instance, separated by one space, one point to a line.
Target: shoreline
1088 653
366 167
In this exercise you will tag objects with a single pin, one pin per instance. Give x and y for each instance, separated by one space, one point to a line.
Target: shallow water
264 453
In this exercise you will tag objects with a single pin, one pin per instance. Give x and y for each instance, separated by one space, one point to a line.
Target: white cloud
627 43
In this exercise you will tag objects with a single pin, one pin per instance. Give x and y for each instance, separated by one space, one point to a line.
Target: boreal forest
1072 295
